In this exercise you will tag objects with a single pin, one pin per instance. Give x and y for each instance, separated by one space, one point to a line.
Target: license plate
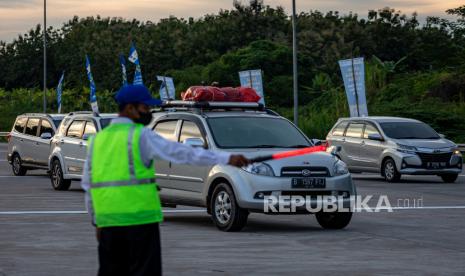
309 183
435 165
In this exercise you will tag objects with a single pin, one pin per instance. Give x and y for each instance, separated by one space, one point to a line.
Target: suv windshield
256 132
409 130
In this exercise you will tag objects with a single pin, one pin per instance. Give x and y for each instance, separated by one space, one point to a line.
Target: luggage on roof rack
224 94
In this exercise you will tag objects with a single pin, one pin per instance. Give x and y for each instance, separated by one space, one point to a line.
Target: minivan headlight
259 168
340 168
406 149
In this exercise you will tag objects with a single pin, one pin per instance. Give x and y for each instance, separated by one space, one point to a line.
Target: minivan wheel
390 172
449 178
333 220
17 166
56 176
225 212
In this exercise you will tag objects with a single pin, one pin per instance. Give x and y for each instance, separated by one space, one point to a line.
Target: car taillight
8 136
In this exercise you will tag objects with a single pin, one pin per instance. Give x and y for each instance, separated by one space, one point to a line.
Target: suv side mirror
442 135
317 142
194 142
375 137
46 135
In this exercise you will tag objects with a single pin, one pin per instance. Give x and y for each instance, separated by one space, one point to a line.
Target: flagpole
294 63
45 56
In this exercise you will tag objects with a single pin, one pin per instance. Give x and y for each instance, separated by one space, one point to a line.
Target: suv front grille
304 172
434 157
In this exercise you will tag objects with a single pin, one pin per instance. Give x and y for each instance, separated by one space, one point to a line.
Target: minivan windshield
409 130
256 132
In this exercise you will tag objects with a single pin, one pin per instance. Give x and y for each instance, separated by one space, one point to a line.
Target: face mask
145 118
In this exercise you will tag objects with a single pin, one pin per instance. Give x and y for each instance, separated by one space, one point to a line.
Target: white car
69 146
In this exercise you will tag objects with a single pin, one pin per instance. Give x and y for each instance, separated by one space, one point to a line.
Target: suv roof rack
35 114
183 105
83 113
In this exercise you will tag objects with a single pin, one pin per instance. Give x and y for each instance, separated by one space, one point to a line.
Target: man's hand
238 160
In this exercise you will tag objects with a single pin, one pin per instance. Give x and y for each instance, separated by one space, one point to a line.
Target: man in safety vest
120 185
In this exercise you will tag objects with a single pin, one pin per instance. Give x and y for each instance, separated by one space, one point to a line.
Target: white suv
29 141
69 146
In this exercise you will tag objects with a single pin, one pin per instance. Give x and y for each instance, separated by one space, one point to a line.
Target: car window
32 126
355 130
256 132
75 129
90 128
166 129
190 130
409 130
369 129
63 125
46 127
20 124
339 129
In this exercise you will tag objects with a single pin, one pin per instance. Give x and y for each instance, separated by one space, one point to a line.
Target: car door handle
343 139
62 141
362 143
22 140
81 144
37 143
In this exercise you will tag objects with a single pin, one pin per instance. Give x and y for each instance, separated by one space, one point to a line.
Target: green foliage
411 70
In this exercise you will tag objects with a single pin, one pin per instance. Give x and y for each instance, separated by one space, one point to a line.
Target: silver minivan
395 146
29 141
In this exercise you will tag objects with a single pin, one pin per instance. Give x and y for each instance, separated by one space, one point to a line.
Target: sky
19 16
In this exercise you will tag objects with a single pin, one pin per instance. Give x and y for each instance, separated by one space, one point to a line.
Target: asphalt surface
408 241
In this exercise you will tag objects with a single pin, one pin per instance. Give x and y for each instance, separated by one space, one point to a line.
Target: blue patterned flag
353 75
134 58
167 90
93 96
253 79
122 61
60 90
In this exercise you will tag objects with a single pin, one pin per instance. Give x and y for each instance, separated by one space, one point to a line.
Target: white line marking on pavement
203 210
19 177
415 208
82 212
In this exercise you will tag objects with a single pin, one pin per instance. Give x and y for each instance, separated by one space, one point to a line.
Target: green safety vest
123 189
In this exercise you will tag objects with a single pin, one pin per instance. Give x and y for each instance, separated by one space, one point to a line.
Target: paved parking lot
408 241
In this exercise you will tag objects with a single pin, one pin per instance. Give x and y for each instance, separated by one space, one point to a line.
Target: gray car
230 193
395 146
29 141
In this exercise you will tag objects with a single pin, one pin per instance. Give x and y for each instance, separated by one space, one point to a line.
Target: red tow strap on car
288 154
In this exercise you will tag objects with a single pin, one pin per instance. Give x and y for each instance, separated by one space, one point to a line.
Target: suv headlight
406 149
260 169
457 152
340 168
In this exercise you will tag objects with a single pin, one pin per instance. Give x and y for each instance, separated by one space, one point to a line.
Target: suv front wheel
390 172
17 166
333 220
225 212
449 178
56 176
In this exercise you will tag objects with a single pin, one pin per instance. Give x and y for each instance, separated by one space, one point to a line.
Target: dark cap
135 94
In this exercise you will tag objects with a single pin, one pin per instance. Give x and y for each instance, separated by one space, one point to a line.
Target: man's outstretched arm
153 145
